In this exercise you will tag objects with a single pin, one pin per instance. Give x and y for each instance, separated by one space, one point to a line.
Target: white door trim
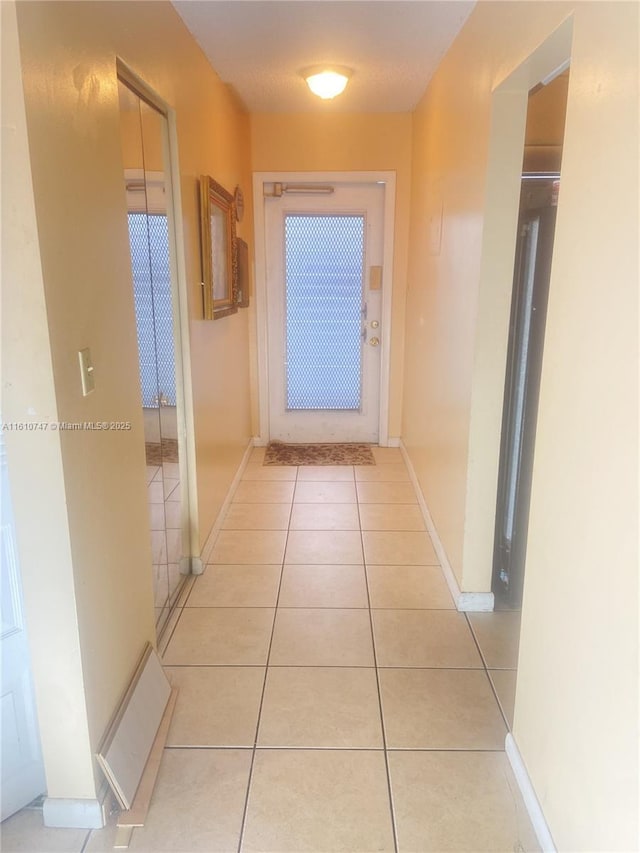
260 178
181 323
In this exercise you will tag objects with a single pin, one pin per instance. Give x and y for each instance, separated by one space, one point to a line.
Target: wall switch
86 371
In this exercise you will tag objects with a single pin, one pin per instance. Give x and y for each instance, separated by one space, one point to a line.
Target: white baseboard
476 602
197 566
467 602
394 441
73 813
534 809
217 524
191 566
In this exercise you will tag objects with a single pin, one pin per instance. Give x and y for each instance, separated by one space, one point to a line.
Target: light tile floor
331 697
163 494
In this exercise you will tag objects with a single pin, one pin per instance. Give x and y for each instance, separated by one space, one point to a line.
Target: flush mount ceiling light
327 81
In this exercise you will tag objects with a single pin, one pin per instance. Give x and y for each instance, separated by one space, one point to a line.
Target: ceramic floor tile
325 517
257 517
391 517
222 636
326 473
158 546
324 546
25 832
170 484
171 470
103 840
160 584
416 638
155 493
387 455
167 631
386 547
386 493
317 637
318 800
175 494
504 682
311 492
256 492
198 802
257 455
152 471
176 579
320 707
249 546
174 544
412 587
440 709
236 586
465 802
323 586
258 471
172 514
217 706
392 473
498 636
156 516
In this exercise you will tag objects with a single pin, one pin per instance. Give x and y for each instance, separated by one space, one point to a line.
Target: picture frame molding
213 196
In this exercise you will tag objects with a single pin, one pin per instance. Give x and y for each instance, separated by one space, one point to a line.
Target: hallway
350 770
331 698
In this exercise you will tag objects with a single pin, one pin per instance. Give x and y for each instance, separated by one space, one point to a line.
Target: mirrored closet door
145 182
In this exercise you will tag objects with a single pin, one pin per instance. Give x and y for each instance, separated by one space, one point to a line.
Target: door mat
157 454
278 453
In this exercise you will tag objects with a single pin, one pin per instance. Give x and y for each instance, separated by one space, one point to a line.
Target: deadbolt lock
374 324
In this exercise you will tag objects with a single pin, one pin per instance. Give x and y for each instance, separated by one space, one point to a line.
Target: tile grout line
323 606
324 666
297 748
179 608
85 843
485 666
245 811
392 813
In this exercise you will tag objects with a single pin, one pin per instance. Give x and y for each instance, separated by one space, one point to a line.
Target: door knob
374 341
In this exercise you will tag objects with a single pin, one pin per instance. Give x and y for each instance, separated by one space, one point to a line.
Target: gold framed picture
219 252
243 274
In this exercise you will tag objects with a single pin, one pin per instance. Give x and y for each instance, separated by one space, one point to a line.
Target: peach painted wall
576 714
335 142
68 54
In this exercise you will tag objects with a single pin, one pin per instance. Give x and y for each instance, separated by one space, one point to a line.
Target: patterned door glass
324 260
149 240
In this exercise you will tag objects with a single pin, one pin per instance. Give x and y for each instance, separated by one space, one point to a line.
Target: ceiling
259 47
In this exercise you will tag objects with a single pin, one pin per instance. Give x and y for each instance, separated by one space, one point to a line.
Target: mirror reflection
218 243
219 261
144 178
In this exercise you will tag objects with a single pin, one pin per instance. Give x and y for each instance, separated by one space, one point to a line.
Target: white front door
22 769
324 308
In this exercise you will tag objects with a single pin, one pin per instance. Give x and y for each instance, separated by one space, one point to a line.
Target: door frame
509 105
545 218
191 562
388 178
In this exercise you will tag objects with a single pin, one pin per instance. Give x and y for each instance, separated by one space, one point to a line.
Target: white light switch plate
86 371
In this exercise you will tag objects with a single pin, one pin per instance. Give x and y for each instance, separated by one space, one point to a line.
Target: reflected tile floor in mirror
163 490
